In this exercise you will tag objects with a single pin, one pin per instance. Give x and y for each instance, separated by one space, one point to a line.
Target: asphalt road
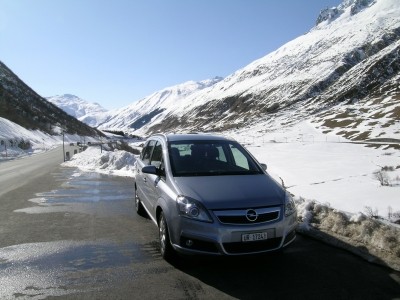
74 235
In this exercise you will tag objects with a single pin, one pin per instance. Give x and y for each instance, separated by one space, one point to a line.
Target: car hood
234 191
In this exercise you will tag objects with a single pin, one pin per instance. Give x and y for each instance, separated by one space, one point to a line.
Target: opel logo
251 215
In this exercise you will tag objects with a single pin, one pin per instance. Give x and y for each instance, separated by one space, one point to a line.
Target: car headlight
290 207
192 209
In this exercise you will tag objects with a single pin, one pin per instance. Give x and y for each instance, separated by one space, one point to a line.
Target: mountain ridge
23 106
341 61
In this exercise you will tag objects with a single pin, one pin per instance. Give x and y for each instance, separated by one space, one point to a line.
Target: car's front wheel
167 252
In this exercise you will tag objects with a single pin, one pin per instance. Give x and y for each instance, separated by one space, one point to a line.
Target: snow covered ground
328 168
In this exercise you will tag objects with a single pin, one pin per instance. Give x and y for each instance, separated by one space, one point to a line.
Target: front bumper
193 237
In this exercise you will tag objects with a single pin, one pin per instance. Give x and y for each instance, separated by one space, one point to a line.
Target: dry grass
333 123
363 235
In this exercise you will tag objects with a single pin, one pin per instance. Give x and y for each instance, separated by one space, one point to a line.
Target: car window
221 154
156 158
239 157
143 150
207 158
146 152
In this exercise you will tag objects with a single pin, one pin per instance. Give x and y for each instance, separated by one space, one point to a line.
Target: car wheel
167 252
138 205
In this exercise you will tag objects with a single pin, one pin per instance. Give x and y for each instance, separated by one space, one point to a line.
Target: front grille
252 247
239 216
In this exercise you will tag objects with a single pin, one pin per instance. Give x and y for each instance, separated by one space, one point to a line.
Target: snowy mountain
153 108
343 74
76 106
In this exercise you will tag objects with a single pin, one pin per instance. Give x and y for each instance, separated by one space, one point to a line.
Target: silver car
208 195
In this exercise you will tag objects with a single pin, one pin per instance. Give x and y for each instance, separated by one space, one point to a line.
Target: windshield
208 158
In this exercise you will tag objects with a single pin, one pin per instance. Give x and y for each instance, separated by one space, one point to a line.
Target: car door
153 180
141 178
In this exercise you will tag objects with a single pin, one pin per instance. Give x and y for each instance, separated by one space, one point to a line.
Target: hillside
23 106
343 75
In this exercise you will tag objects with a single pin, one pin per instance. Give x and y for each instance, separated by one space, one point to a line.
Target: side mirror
152 170
264 166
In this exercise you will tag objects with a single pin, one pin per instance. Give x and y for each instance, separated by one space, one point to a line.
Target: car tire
167 252
138 205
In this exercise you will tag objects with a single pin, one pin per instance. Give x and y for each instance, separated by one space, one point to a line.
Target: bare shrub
387 168
382 177
371 213
390 212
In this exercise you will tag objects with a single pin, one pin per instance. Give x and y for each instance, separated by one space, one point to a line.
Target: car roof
174 137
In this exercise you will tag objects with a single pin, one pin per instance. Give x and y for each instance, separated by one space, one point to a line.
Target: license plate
251 237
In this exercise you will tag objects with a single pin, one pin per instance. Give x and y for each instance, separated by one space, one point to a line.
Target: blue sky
117 52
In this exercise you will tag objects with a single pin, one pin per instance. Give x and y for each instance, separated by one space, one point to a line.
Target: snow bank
119 163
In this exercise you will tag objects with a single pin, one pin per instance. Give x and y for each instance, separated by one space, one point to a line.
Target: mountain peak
69 96
75 106
351 6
